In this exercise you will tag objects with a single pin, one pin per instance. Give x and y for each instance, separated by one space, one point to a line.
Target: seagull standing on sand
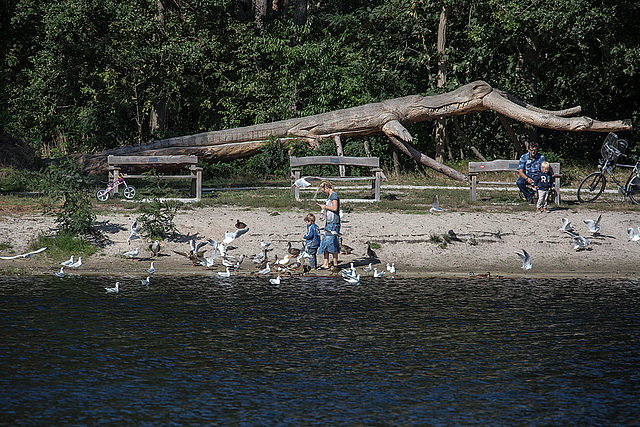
391 268
68 262
76 264
633 236
115 289
526 260
435 205
133 253
594 226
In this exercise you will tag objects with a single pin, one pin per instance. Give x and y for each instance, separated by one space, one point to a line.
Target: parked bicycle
128 192
594 184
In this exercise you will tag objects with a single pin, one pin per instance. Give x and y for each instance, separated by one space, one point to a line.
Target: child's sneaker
538 210
545 210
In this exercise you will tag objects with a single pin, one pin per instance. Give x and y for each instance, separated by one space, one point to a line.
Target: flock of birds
580 243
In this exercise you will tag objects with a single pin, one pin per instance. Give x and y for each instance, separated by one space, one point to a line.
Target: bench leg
113 175
557 198
474 183
295 190
377 185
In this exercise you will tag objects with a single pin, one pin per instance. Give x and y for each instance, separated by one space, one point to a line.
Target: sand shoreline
488 242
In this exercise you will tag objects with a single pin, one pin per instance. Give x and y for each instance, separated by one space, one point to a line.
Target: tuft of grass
19 271
435 238
64 244
375 245
5 246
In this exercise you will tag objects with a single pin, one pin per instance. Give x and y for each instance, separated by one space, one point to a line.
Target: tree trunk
466 140
300 12
440 128
260 11
517 145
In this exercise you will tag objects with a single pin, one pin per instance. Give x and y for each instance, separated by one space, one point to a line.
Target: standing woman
330 243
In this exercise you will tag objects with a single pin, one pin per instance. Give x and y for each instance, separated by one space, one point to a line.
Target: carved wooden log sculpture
388 117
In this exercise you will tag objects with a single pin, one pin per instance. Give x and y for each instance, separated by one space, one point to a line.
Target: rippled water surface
319 351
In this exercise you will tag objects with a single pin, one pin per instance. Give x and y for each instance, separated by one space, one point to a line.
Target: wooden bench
373 163
507 166
195 175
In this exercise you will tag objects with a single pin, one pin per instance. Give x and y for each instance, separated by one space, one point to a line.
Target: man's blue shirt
531 166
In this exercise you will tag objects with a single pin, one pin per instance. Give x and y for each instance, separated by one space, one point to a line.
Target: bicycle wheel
102 195
129 192
633 189
591 187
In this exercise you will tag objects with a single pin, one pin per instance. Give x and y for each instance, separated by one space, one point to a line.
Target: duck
344 249
292 251
370 253
240 224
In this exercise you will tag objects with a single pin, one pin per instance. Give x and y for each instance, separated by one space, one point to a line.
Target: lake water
318 351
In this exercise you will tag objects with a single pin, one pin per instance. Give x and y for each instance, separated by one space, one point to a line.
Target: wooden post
340 153
367 150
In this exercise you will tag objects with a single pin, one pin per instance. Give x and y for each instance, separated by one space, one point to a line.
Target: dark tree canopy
89 75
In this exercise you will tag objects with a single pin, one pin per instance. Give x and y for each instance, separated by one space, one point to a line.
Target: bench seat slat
335 160
147 160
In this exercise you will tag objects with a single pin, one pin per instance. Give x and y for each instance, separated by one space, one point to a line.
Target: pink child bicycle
129 191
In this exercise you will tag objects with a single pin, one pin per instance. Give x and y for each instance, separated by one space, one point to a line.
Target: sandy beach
488 242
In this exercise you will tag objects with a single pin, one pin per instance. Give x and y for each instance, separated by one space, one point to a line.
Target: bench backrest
146 160
504 166
296 162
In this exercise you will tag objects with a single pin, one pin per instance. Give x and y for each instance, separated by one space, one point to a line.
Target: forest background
88 75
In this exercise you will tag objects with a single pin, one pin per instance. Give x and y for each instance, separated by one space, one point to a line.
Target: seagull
367 268
376 274
68 262
224 274
208 262
391 268
133 232
265 270
633 236
594 226
233 262
146 281
230 236
264 244
302 183
132 254
435 205
115 289
275 281
352 279
195 247
526 260
566 225
60 273
579 242
155 247
76 264
351 271
151 269
27 255
285 260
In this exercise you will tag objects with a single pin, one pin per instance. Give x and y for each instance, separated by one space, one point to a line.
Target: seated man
529 169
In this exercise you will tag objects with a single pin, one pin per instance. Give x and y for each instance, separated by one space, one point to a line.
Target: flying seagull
230 236
594 226
566 225
526 260
435 205
27 255
579 242
133 232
